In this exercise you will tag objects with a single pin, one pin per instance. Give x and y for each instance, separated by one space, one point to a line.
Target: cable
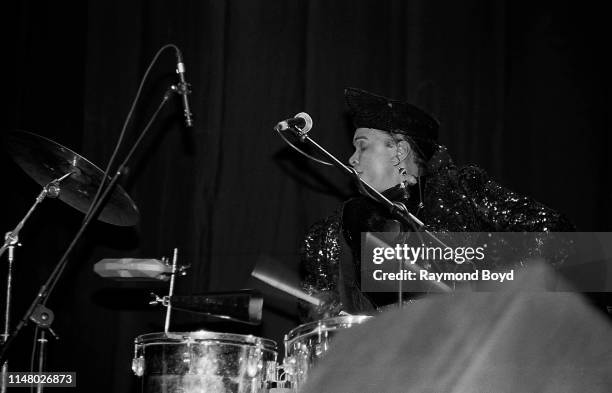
125 124
100 201
118 144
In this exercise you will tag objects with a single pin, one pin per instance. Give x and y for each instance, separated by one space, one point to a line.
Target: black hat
373 111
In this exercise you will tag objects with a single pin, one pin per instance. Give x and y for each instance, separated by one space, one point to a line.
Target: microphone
301 121
183 88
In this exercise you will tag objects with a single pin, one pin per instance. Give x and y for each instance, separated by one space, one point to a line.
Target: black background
520 88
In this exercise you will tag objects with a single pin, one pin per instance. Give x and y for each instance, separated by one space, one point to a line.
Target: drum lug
138 366
254 362
270 371
289 365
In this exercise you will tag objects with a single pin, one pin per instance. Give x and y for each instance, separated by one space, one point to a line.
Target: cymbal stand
11 239
38 304
51 190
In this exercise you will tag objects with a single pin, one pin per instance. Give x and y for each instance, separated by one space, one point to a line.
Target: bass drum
307 343
203 362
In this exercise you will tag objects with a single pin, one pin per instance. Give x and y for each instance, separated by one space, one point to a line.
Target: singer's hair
422 148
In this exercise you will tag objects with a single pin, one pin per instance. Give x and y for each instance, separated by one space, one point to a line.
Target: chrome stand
11 239
51 190
4 377
41 357
165 301
171 291
7 313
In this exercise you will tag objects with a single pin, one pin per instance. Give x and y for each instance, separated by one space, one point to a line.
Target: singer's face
374 156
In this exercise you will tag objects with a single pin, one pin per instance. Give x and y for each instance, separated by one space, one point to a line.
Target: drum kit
205 361
172 362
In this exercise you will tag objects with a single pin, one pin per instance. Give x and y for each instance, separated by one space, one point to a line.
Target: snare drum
203 362
307 343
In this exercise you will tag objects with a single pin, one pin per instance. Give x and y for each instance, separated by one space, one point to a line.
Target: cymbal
45 160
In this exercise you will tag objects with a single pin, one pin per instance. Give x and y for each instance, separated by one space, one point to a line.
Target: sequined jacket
454 199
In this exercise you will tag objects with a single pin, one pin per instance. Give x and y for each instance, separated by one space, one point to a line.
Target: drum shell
203 362
307 343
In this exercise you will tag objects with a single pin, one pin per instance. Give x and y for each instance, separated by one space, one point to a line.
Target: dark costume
446 198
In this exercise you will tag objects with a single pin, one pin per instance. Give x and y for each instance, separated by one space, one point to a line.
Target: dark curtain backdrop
522 89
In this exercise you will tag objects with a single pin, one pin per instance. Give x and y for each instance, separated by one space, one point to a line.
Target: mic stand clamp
43 317
300 133
181 88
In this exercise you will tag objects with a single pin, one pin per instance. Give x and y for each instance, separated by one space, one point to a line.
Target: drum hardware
243 306
49 190
40 158
65 175
11 240
51 164
200 361
171 291
164 301
206 361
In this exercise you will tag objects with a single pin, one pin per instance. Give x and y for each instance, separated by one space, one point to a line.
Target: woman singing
397 154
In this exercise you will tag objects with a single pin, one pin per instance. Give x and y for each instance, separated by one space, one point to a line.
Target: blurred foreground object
519 340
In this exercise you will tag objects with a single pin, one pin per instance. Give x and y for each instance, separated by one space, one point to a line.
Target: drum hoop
204 335
323 325
148 345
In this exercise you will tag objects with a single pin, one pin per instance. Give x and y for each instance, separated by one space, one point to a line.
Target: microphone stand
397 209
37 312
